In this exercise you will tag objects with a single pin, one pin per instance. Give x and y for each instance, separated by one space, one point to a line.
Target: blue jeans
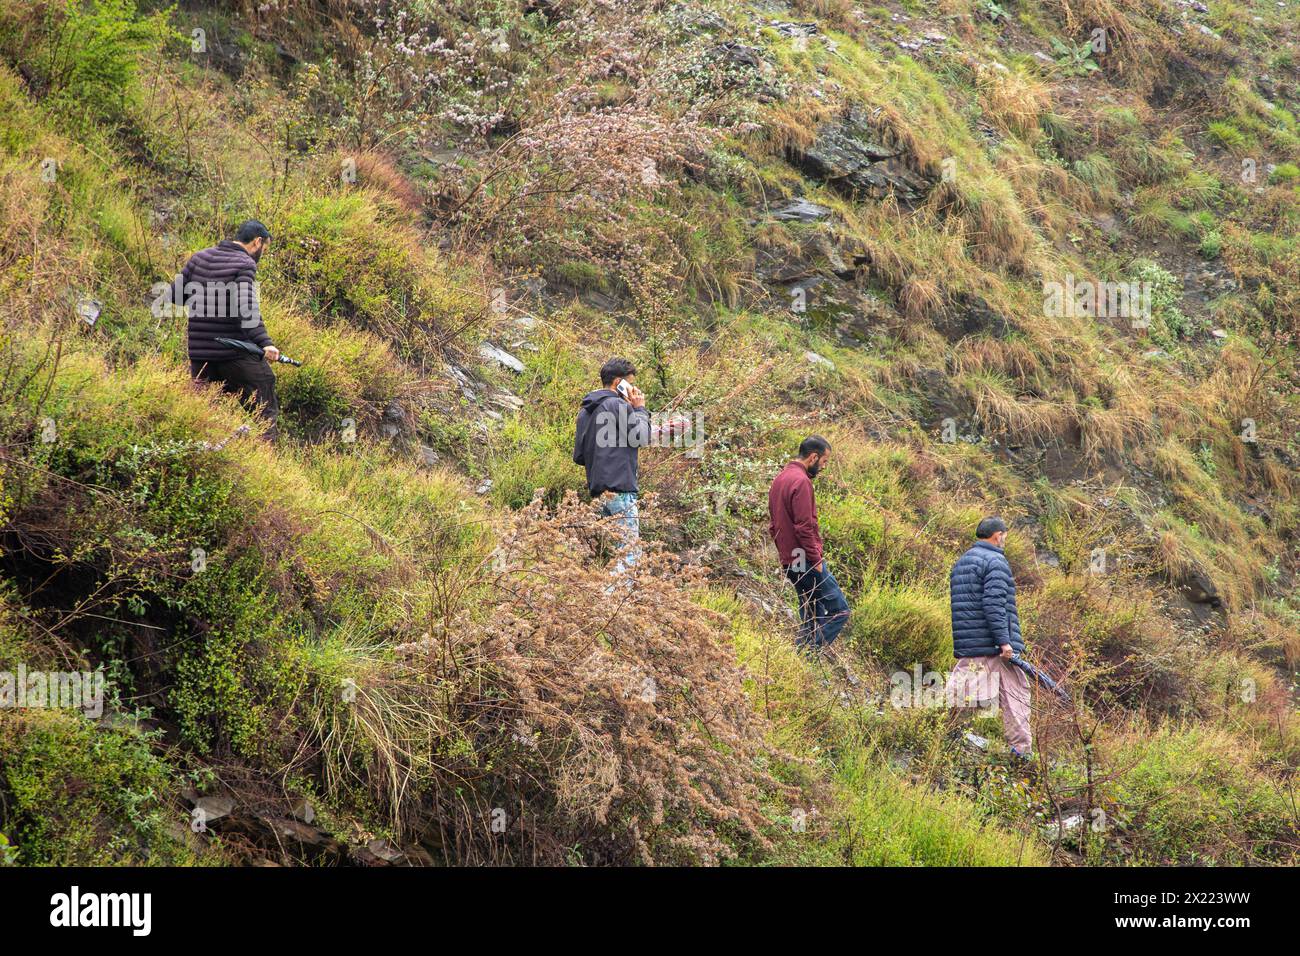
823 609
623 507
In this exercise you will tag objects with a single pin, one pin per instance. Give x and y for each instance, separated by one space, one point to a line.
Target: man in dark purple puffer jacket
219 289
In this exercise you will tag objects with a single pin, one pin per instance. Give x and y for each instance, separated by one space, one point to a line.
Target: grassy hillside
389 637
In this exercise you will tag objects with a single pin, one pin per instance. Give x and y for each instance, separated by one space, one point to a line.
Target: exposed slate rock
851 157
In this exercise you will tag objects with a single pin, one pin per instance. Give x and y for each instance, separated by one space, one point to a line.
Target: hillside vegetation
390 636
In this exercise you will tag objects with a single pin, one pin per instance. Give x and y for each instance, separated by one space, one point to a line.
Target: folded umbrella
1040 677
252 349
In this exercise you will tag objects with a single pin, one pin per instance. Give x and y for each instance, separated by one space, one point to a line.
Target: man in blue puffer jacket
986 635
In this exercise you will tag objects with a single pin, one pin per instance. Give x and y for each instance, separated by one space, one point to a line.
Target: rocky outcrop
853 158
971 315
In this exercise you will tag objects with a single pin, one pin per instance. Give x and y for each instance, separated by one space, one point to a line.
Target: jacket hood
592 400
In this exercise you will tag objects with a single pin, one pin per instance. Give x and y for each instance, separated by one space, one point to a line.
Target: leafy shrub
891 821
903 626
1285 173
75 795
1211 244
89 52
311 401
1227 135
1193 796
1170 323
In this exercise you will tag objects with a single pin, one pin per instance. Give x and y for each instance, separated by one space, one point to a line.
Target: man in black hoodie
612 425
218 287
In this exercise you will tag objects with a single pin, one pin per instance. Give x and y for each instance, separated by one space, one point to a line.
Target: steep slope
1028 258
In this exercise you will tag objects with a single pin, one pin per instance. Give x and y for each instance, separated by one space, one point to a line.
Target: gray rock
800 210
814 359
1200 589
850 156
507 400
1063 827
493 354
384 850
1108 224
285 828
303 810
214 807
89 309
445 157
600 300
787 29
971 315
738 55
707 22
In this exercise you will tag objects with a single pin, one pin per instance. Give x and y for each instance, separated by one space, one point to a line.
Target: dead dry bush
603 716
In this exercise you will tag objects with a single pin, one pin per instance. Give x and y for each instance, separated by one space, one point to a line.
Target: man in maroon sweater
792 507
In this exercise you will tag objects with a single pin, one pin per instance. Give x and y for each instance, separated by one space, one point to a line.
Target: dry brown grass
1107 432
381 173
920 299
1016 419
992 226
1010 357
1013 100
1130 46
793 126
584 710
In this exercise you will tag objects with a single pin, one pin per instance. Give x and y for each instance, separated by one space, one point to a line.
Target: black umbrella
252 349
1040 677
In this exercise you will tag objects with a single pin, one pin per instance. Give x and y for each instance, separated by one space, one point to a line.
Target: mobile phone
624 388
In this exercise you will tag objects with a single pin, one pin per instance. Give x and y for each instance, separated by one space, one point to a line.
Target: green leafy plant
93 52
1075 60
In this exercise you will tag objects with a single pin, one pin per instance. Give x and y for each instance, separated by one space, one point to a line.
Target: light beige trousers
978 681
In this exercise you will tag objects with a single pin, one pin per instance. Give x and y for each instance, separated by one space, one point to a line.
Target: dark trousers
250 378
823 609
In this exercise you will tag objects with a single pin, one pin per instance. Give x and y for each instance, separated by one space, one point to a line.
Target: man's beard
813 469
256 255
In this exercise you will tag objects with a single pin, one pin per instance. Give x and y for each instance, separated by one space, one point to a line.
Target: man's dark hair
616 368
813 445
251 229
989 527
